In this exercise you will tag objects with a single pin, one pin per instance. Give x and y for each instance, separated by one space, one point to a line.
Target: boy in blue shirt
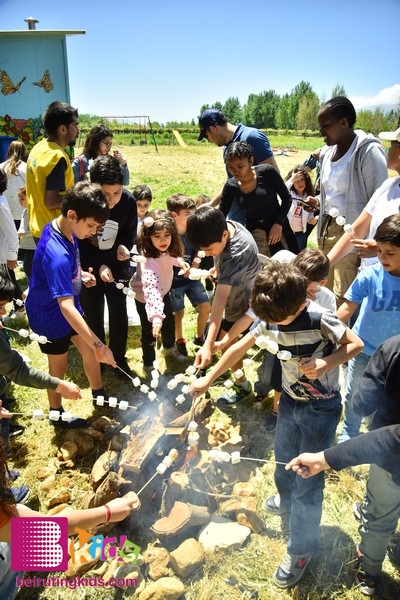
310 404
52 304
377 290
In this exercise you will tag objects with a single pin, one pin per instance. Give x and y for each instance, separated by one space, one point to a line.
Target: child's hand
156 330
120 508
364 248
88 279
203 356
184 267
313 367
117 154
12 264
105 274
220 344
69 390
275 234
198 387
103 354
123 253
4 414
308 464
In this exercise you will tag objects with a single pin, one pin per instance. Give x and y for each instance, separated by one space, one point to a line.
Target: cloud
386 98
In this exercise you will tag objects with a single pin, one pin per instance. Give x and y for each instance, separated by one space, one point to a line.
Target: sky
166 59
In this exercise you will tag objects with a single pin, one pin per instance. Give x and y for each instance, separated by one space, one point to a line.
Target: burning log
146 434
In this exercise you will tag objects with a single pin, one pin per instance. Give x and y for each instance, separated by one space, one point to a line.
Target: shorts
194 290
58 345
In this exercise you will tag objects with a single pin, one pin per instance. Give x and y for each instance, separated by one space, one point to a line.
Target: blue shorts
193 289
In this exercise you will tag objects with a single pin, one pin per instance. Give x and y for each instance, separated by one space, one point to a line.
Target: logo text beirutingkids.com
41 544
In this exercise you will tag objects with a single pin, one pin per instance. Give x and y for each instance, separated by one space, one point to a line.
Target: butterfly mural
45 83
8 87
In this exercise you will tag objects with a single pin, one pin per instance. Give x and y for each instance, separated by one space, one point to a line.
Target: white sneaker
174 353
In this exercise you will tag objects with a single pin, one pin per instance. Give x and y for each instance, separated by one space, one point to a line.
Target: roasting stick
161 467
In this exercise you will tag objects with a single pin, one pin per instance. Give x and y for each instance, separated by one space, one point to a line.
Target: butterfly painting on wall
7 85
45 83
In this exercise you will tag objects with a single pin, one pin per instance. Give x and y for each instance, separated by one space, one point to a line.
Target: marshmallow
100 400
340 221
192 378
23 333
156 364
238 374
18 301
66 416
247 362
42 339
224 457
201 254
34 336
228 383
347 228
197 260
284 355
167 461
54 415
123 405
195 274
136 381
119 285
161 468
112 402
213 454
38 414
179 377
137 258
172 383
155 374
154 384
192 426
180 399
185 389
125 290
333 212
152 396
191 370
235 458
144 388
193 439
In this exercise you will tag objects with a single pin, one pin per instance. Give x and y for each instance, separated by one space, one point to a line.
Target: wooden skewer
146 484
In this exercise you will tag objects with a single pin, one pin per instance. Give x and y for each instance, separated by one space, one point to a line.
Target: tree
338 90
261 110
232 110
306 117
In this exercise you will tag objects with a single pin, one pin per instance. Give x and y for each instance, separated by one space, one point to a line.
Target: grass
192 170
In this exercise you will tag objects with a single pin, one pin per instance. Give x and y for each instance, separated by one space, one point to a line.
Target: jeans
92 301
301 239
167 331
303 427
352 421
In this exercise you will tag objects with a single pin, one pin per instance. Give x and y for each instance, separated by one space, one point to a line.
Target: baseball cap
393 136
211 116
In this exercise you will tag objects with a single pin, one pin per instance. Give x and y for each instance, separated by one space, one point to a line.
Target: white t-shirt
14 182
335 179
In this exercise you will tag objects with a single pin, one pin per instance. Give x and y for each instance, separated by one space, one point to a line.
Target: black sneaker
126 374
270 422
15 430
199 341
366 582
291 570
357 510
181 346
273 505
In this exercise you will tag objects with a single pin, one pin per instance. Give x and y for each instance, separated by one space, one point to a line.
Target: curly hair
279 291
93 139
163 220
309 189
238 150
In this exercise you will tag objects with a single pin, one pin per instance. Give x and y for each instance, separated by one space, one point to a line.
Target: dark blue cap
211 116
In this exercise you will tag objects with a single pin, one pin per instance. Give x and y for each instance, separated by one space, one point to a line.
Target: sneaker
15 430
357 510
181 346
21 494
270 422
12 475
367 583
237 393
273 505
174 353
291 570
199 341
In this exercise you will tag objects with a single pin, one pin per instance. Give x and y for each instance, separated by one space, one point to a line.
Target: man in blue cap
216 128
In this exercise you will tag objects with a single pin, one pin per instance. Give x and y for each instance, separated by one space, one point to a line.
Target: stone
101 423
67 451
166 588
188 558
223 534
48 483
93 433
84 442
229 508
243 488
59 496
108 489
102 466
157 560
250 519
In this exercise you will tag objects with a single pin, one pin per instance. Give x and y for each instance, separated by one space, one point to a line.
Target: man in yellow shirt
49 173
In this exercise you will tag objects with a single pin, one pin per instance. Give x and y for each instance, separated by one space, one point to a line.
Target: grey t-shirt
237 266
